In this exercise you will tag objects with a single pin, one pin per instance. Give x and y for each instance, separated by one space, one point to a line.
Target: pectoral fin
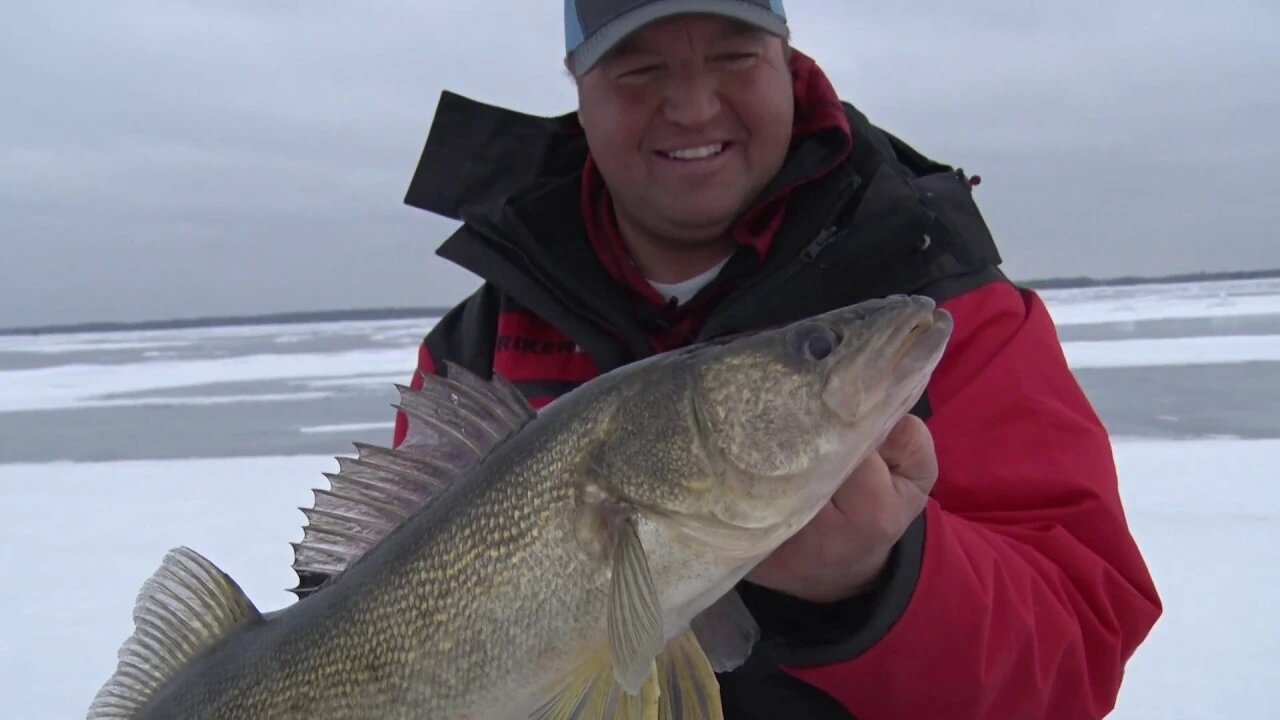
635 620
726 631
635 676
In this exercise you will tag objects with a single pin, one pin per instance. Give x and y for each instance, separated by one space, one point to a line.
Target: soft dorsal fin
454 421
185 607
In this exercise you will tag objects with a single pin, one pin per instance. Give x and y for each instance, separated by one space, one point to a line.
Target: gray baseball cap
592 27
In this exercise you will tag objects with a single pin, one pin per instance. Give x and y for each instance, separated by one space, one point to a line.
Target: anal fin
681 685
686 681
185 607
589 691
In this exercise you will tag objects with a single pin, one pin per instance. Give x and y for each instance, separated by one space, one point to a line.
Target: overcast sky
171 159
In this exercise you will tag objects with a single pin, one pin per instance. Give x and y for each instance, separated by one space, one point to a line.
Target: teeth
696 153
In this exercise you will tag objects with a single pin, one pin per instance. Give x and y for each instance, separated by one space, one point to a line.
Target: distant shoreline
1066 283
286 318
376 314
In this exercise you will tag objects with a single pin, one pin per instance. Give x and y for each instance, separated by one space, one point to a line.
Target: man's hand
842 551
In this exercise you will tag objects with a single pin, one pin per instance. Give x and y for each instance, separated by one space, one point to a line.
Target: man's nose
692 98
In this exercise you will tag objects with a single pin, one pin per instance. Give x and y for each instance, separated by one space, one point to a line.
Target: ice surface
1207 516
1172 351
407 330
65 386
383 381
61 386
345 428
1156 302
99 385
81 538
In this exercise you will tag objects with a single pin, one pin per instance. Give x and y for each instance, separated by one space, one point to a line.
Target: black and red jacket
1019 592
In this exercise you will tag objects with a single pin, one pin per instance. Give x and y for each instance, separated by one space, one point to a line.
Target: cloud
224 157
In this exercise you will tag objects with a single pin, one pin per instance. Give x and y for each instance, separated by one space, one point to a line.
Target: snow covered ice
81 536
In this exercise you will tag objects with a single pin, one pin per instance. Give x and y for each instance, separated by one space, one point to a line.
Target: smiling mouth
701 152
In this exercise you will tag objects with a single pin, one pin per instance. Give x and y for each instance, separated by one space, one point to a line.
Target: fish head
734 444
785 415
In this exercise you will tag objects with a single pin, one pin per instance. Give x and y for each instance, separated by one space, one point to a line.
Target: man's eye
736 59
638 73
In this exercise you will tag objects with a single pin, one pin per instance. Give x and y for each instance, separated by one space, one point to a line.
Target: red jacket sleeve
1031 594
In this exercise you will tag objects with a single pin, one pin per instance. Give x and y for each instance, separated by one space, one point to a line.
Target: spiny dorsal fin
454 421
186 606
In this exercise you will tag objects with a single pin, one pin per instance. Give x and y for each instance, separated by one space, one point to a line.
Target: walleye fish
574 563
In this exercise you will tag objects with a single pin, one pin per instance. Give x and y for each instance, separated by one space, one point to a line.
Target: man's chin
706 223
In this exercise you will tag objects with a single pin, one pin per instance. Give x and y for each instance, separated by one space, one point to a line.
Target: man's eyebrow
633 45
626 47
738 28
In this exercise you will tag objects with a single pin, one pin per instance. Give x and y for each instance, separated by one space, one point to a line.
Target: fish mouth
931 330
891 365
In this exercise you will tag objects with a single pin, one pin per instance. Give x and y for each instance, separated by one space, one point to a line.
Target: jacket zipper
825 237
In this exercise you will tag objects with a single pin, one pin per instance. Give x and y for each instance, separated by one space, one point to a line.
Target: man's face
688 120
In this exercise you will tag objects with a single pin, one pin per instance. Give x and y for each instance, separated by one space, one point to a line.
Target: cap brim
585 56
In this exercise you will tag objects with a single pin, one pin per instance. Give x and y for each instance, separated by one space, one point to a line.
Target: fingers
863 492
909 453
845 546
893 483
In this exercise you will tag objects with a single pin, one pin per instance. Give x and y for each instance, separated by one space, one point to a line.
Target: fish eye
816 342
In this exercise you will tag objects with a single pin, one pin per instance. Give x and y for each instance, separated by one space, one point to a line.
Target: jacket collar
479 158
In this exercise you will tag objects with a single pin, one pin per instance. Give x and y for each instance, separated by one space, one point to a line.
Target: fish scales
583 567
481 576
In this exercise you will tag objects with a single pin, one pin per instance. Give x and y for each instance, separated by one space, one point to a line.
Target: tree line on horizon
372 314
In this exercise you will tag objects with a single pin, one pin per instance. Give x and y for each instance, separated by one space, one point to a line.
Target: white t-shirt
682 291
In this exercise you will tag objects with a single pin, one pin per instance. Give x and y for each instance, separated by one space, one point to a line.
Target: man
712 182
